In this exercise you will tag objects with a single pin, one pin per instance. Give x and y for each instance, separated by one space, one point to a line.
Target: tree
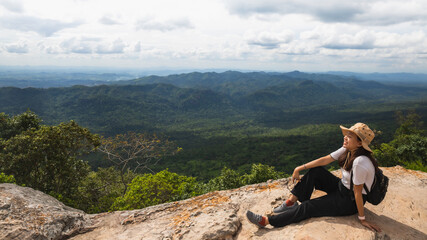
261 173
12 126
152 189
227 180
99 190
409 146
48 158
135 151
409 124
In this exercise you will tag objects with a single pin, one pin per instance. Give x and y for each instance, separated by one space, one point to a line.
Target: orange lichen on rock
196 205
192 208
258 188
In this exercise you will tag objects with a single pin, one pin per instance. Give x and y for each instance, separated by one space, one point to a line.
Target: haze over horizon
269 35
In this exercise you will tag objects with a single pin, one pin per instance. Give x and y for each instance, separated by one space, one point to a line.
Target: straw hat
363 132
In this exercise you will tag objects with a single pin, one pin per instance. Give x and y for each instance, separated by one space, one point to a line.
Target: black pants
337 202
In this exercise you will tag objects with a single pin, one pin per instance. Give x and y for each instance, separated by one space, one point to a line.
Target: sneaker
254 218
283 207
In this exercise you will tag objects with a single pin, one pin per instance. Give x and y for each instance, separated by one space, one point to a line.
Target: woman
354 156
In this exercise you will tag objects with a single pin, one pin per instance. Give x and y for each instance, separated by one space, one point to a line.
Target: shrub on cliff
409 146
152 189
261 173
6 178
230 179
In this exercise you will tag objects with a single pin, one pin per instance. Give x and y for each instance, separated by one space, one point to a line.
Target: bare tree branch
135 151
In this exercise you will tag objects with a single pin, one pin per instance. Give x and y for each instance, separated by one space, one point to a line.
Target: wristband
361 218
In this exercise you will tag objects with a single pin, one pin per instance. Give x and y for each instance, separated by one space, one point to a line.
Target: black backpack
378 189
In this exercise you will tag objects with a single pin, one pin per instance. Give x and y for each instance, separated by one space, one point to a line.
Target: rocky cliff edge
29 214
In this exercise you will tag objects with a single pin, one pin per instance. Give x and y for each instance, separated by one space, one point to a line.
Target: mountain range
154 101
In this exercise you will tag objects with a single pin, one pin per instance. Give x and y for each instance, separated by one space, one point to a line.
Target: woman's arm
361 209
315 163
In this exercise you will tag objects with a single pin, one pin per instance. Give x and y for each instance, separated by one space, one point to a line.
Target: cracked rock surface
216 215
29 214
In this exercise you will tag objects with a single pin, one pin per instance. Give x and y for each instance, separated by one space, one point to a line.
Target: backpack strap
366 188
351 184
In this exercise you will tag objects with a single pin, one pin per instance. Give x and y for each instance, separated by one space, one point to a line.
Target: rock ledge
29 214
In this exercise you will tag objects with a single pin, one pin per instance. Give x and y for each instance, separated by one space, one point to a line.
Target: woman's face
351 142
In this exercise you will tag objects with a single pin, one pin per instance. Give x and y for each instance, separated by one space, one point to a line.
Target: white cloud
395 40
361 40
53 50
44 27
12 5
243 34
109 20
379 44
90 39
269 40
17 47
81 49
115 47
392 12
300 48
84 45
364 12
137 47
74 45
165 25
327 10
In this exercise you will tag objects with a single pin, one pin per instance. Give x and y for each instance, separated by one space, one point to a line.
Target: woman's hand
371 226
295 175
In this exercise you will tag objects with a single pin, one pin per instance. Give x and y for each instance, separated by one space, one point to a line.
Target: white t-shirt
363 170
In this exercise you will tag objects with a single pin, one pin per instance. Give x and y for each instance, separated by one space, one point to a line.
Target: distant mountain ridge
66 77
297 87
154 102
402 78
47 79
238 83
229 82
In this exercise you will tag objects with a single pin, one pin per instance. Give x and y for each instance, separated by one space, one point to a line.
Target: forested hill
186 101
238 83
227 119
208 101
115 109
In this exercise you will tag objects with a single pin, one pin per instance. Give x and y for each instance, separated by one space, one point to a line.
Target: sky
260 35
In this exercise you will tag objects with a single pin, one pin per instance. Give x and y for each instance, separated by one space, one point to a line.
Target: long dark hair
359 152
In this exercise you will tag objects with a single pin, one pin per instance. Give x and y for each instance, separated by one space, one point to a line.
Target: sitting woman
354 156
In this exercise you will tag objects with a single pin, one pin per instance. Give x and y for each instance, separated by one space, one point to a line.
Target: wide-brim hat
363 132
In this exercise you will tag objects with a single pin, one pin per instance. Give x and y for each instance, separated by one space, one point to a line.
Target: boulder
26 213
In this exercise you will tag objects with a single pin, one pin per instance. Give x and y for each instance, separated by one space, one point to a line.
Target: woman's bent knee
317 170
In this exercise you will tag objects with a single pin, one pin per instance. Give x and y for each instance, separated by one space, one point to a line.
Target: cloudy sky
270 35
